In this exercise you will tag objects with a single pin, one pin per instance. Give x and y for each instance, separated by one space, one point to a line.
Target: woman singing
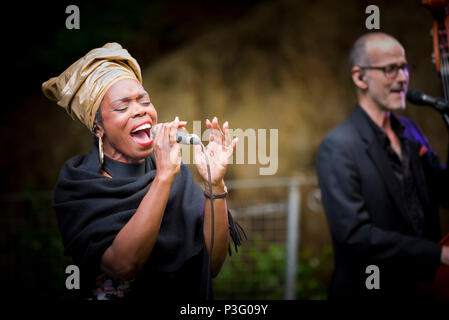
129 213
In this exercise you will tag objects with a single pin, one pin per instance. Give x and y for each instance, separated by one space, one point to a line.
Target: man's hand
445 255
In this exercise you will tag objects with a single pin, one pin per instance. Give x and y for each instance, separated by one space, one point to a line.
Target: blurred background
258 64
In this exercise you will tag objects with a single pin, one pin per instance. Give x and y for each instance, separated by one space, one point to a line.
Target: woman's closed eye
121 108
124 106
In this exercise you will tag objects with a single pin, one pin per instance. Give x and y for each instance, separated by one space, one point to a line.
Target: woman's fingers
209 126
168 130
158 130
182 125
161 133
173 127
216 134
221 136
234 144
227 135
175 149
166 133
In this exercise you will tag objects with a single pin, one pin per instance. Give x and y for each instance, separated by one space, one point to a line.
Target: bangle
217 196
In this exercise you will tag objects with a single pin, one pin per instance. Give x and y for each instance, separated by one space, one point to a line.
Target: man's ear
359 78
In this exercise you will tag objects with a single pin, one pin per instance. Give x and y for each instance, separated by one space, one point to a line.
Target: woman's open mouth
141 134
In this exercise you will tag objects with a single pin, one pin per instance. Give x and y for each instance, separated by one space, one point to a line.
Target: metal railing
292 222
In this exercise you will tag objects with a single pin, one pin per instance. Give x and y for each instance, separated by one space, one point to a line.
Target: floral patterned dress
107 288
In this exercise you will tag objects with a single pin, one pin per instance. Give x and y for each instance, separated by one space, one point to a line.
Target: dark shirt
402 170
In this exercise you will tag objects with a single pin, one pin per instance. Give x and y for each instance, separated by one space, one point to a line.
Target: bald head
364 47
379 72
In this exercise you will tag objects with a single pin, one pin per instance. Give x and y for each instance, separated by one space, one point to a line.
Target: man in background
381 183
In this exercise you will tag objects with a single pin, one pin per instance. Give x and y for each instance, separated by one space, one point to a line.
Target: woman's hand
167 151
219 150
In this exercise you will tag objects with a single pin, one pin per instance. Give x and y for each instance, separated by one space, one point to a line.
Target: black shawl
91 209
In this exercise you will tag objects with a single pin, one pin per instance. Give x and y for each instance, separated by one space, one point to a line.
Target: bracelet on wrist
216 196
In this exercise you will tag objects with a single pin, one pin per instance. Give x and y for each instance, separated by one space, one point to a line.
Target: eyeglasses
391 71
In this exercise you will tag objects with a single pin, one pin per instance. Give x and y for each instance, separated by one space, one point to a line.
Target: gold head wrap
81 88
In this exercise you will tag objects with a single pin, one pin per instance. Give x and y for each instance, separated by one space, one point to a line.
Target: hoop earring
100 150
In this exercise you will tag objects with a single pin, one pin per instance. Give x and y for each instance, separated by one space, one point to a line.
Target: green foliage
37 255
312 271
257 271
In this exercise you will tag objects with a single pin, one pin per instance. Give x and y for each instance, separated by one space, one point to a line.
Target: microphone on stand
419 98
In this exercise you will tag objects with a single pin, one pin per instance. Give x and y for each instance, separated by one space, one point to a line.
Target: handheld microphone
419 98
181 137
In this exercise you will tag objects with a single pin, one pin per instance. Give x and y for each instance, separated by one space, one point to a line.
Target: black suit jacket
366 210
